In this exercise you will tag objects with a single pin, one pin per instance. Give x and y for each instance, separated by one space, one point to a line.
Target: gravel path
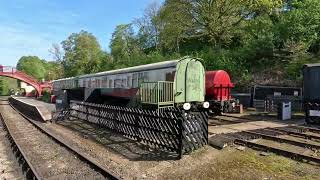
51 160
122 156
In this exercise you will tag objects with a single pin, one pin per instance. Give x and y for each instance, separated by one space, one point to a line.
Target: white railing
7 69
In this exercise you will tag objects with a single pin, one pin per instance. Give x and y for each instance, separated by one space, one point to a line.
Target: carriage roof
159 65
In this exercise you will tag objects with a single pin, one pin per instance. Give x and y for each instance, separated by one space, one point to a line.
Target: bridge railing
7 69
14 71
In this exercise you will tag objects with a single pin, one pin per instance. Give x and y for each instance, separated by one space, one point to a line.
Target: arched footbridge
12 72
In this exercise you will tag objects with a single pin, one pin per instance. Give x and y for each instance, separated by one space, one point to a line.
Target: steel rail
227 120
236 117
307 136
217 122
30 171
298 127
94 164
286 153
284 140
308 128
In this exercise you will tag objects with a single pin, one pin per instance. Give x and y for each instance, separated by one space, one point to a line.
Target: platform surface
45 109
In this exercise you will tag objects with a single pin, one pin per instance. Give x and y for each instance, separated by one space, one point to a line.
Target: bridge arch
12 72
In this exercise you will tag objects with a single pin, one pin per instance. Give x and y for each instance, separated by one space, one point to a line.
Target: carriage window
145 76
98 82
124 83
170 76
129 81
110 83
140 78
92 82
135 80
89 83
117 83
104 82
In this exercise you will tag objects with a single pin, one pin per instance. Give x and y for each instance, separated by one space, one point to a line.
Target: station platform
45 110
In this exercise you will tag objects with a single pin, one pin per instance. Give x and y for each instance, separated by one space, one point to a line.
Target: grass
249 164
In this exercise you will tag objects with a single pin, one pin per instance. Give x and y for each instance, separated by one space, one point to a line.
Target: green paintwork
189 81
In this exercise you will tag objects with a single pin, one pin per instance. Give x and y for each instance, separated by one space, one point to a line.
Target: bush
46 96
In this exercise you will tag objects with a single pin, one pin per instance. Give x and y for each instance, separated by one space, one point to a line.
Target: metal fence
169 129
157 93
272 103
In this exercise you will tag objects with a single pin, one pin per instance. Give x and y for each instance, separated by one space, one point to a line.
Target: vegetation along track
46 156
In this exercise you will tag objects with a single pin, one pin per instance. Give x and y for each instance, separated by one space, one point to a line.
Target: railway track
295 141
227 119
44 155
216 121
9 167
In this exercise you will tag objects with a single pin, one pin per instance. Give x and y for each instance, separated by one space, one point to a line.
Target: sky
29 27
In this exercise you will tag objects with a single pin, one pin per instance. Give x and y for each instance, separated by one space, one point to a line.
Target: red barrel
218 85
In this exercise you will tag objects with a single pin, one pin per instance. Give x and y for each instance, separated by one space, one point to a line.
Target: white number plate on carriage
314 113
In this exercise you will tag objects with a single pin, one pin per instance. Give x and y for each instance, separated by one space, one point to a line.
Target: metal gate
158 93
170 129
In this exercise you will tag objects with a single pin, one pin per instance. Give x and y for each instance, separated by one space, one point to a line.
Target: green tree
8 85
82 54
33 66
150 26
123 43
214 22
54 70
298 30
4 90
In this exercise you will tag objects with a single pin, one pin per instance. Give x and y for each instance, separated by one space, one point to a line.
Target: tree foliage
54 70
4 90
33 66
7 86
150 26
243 37
82 54
40 69
123 42
246 38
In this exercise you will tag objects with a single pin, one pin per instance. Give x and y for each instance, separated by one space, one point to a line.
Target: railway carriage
311 92
179 83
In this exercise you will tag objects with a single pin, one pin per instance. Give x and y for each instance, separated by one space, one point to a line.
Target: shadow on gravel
119 144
